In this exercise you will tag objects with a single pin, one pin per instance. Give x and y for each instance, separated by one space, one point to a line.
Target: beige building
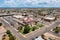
49 18
49 36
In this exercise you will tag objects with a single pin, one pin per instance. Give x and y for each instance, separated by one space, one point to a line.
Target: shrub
34 28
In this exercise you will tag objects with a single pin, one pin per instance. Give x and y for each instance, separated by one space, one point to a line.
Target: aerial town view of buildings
29 23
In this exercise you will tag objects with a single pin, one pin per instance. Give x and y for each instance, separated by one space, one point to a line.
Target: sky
29 3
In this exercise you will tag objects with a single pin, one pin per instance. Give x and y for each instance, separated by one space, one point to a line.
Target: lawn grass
31 28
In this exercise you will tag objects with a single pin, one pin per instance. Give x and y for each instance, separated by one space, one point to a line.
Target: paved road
3 15
12 18
39 32
32 35
13 23
9 27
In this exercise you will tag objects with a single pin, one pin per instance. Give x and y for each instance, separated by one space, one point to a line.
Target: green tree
26 29
0 24
20 28
11 38
8 12
42 36
8 32
56 30
40 25
34 28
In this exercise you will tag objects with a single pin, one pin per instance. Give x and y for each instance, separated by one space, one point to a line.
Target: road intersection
31 35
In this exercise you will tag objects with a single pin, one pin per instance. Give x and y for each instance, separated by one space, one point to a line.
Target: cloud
9 3
33 2
30 3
